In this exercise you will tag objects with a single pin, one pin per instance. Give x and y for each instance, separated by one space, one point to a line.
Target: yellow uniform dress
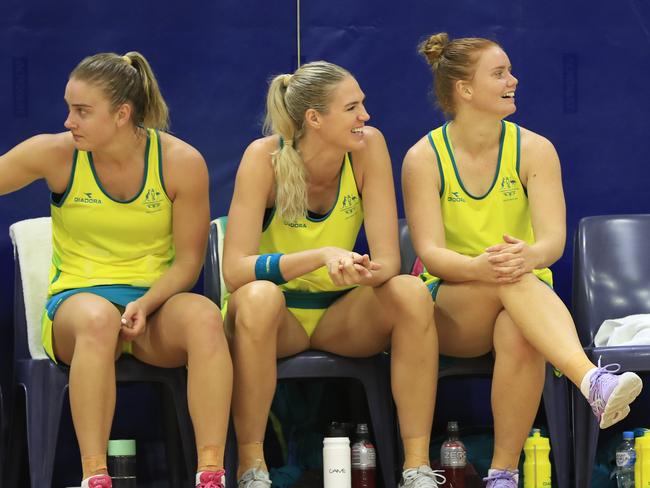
113 248
309 295
475 222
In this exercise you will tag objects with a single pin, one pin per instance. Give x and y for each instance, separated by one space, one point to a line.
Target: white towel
32 239
633 330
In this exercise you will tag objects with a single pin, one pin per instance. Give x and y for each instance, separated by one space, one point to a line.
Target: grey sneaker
422 477
254 478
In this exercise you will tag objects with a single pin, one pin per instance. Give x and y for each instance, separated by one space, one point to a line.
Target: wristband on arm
267 267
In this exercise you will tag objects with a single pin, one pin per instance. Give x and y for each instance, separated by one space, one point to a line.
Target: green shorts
434 286
120 295
307 307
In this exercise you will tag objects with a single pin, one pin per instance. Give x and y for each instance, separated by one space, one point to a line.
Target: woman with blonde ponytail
129 233
485 206
301 196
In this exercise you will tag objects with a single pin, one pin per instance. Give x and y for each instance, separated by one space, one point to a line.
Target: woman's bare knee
406 299
204 328
257 310
86 322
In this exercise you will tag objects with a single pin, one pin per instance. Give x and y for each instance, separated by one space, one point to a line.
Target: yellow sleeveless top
99 240
339 227
472 222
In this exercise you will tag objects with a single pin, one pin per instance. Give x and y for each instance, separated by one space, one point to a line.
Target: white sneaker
422 477
254 478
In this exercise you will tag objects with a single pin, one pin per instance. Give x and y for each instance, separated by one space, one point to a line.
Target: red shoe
211 479
97 481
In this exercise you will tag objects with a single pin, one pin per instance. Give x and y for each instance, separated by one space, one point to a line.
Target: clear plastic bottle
625 459
453 458
363 459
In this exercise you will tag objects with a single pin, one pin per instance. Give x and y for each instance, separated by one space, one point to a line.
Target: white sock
586 383
515 473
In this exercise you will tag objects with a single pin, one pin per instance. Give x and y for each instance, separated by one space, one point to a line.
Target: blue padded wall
583 69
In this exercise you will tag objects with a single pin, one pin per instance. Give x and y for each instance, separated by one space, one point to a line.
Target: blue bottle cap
628 435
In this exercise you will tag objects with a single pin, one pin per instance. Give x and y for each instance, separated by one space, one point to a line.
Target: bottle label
453 458
363 456
625 459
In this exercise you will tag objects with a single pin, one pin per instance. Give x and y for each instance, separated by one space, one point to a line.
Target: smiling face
342 124
492 89
91 119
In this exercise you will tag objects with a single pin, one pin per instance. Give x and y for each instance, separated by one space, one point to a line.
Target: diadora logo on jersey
294 225
455 197
350 205
152 199
509 188
88 198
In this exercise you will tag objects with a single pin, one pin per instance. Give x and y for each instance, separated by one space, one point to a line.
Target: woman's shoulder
177 151
532 141
536 152
264 146
374 143
421 151
56 146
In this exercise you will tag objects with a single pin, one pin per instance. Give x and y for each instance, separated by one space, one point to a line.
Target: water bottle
453 458
642 464
121 463
363 459
625 459
336 458
537 466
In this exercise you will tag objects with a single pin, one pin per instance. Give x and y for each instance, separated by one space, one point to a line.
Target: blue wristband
267 267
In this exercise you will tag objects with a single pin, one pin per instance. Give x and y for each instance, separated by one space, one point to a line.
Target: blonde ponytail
288 98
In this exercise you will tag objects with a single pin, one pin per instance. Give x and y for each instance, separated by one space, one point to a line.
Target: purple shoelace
502 478
601 385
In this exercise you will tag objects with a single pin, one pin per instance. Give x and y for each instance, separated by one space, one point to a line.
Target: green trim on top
518 163
336 200
144 178
518 148
442 174
349 155
453 161
266 223
70 181
311 300
160 163
56 275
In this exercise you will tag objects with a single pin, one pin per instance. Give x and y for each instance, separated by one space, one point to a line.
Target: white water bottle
336 458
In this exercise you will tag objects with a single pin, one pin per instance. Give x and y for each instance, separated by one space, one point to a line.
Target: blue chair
610 280
555 396
45 384
373 373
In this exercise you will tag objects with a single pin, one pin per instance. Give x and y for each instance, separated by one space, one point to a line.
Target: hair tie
286 79
127 59
288 142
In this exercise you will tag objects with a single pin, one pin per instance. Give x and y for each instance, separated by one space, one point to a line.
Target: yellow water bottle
642 465
638 441
537 466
